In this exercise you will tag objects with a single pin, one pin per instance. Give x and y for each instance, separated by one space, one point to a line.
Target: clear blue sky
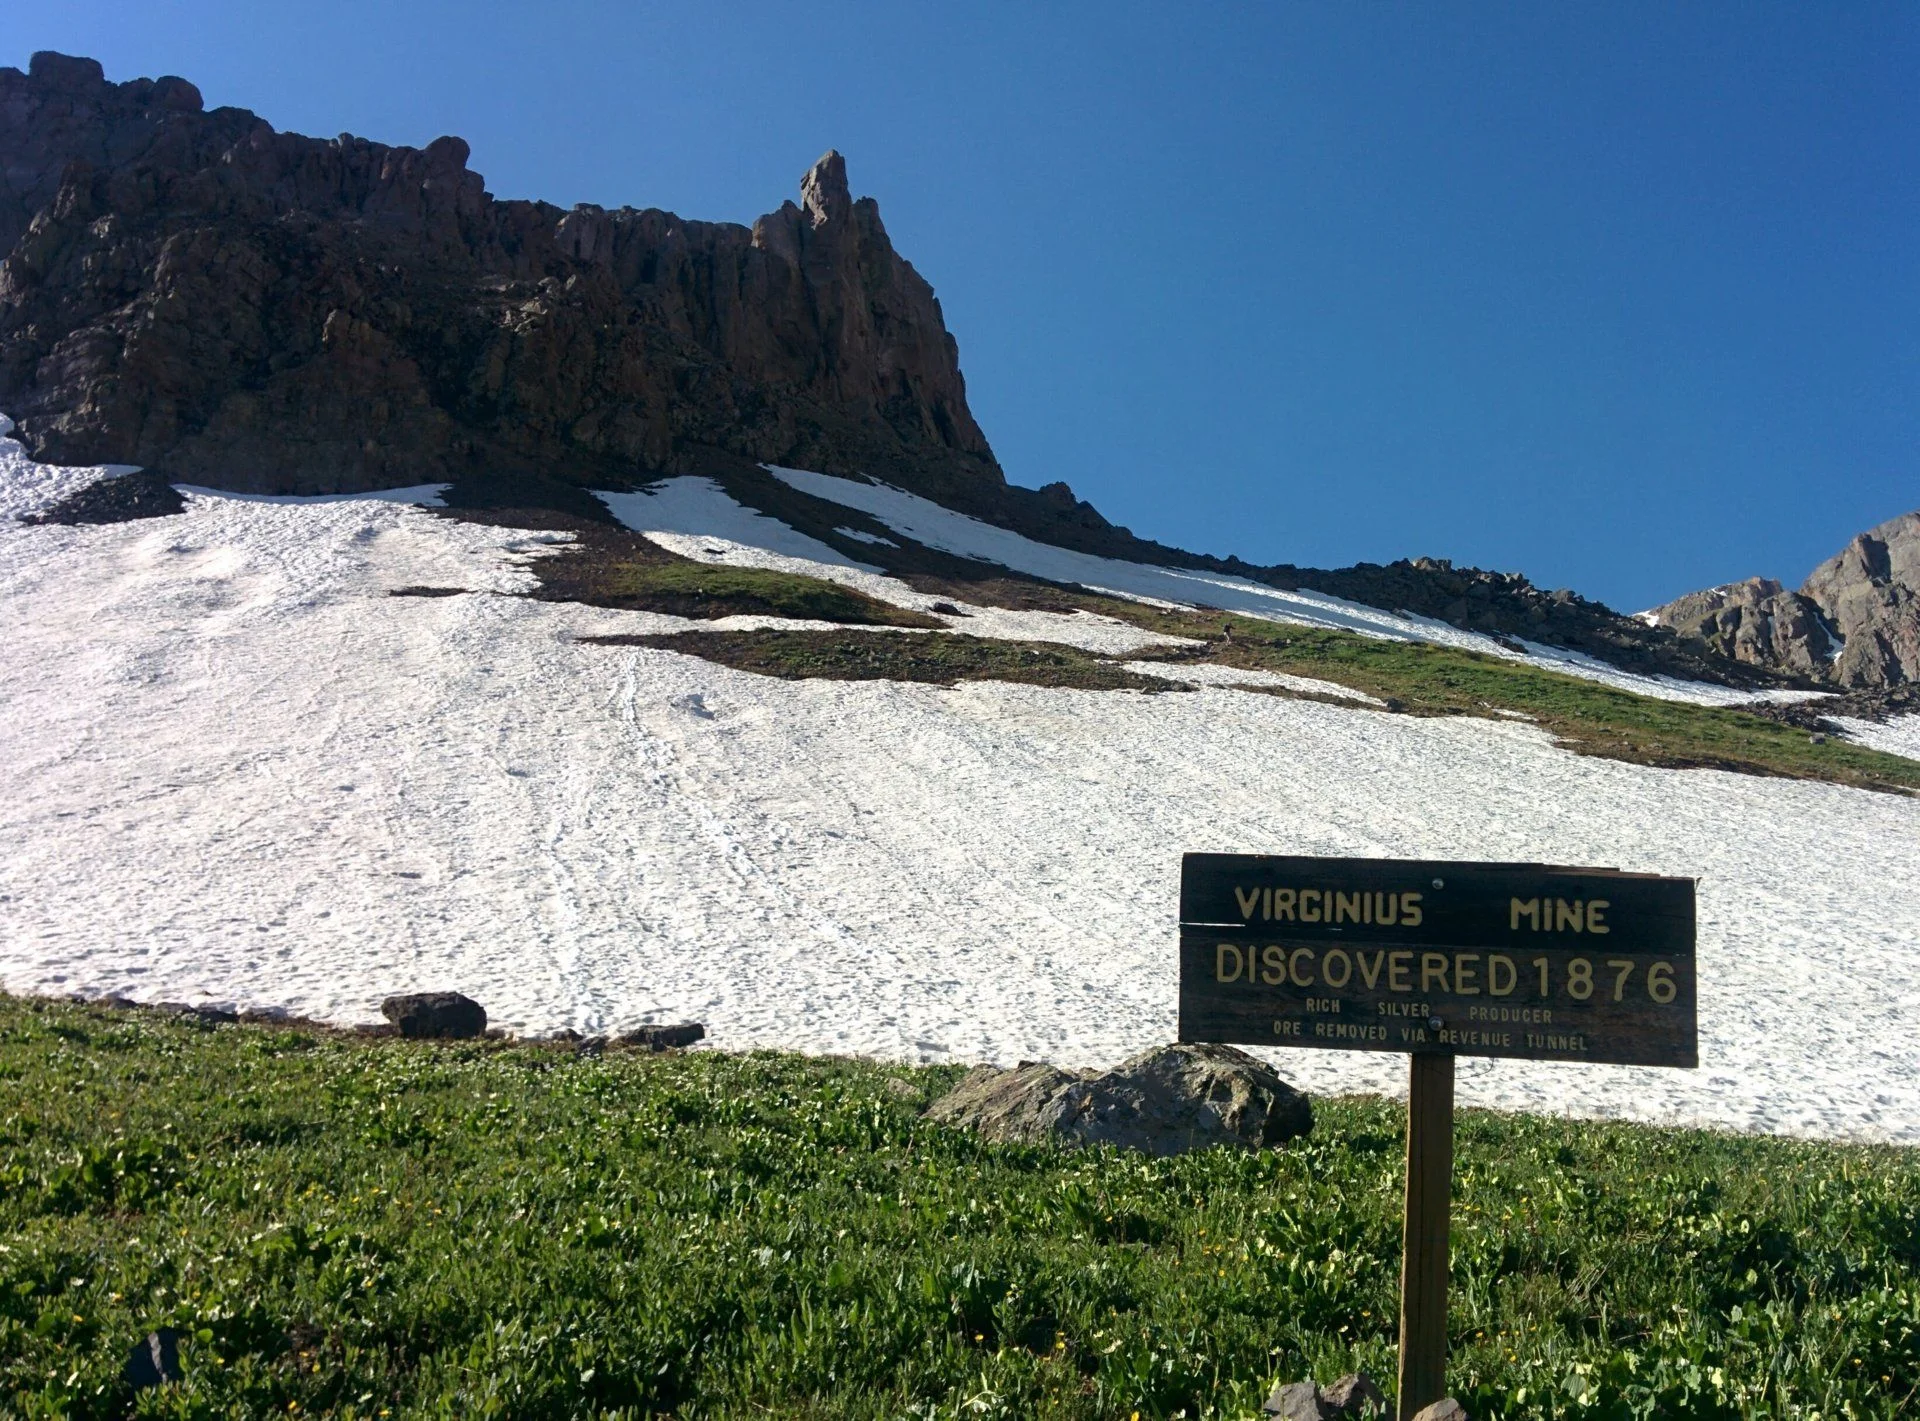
1625 297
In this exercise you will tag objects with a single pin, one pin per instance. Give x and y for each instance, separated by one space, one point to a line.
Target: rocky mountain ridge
1854 623
188 290
191 289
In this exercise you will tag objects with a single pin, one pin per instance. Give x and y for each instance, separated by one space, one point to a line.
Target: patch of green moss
1414 678
706 590
606 567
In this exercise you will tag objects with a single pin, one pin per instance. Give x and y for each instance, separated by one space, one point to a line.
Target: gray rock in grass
1354 1396
1296 1401
1162 1102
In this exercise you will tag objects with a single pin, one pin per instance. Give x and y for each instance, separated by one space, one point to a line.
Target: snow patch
239 772
698 519
1664 688
1897 736
425 495
860 536
943 529
27 487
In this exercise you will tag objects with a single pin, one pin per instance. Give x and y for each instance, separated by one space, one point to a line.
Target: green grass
1585 716
361 1228
944 659
607 567
1415 678
692 589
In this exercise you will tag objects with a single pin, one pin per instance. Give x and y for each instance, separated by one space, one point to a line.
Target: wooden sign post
1436 959
1424 1229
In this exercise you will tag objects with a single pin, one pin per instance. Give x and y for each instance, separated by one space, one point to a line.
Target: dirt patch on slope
943 659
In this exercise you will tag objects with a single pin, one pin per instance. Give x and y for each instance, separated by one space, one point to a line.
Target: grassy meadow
1414 678
1585 716
377 1228
861 655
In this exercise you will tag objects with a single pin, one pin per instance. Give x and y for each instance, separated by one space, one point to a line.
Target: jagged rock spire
603 343
824 191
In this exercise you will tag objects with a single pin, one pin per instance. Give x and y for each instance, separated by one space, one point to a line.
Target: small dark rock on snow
436 1014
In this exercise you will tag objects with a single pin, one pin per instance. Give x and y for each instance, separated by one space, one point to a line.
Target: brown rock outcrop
1871 591
191 290
1757 622
1854 623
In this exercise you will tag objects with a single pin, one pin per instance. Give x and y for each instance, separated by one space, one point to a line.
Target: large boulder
436 1014
1162 1102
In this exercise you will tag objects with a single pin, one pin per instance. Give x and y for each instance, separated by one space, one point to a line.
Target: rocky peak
1870 590
1869 557
824 192
65 73
194 291
190 291
1854 623
70 75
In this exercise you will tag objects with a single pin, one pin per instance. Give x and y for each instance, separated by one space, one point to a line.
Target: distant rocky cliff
1854 623
191 290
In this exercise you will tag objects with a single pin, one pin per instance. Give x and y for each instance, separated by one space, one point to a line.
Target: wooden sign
1477 959
1437 960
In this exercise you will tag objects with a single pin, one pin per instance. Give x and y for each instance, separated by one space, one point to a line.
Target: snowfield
236 771
1899 736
